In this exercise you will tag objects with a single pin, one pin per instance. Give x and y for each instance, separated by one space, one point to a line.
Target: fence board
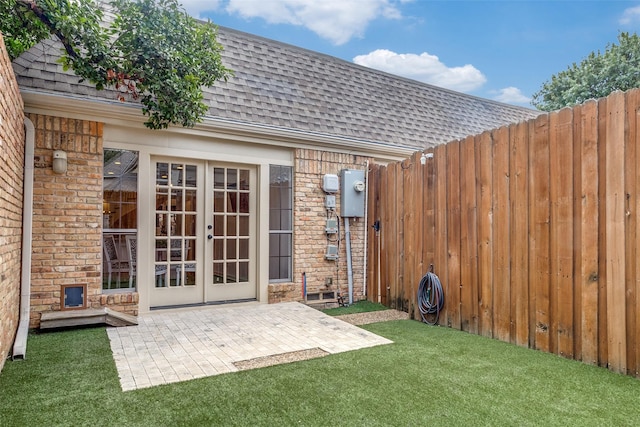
440 264
615 218
501 235
539 227
561 154
587 265
603 338
484 167
452 288
468 238
631 215
519 192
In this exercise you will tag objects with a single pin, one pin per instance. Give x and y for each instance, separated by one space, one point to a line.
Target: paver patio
177 345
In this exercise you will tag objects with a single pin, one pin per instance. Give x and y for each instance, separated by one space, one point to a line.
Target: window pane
231 226
218 250
119 215
231 249
280 220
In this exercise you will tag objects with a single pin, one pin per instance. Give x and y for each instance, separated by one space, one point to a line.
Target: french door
204 245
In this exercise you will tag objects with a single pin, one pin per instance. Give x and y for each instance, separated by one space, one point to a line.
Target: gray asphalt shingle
288 87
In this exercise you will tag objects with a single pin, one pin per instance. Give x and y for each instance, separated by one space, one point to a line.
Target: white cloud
630 15
512 95
196 7
335 20
425 68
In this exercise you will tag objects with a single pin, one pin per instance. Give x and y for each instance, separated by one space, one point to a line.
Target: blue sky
502 50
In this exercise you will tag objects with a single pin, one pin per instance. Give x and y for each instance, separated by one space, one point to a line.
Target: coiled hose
430 297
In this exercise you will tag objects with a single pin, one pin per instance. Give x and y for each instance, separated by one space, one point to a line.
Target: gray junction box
352 193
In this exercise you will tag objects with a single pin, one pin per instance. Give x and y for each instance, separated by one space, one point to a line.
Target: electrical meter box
330 183
352 195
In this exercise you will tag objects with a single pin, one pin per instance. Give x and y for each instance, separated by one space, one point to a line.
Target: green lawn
429 376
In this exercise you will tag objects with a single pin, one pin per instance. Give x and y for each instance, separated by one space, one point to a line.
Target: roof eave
114 112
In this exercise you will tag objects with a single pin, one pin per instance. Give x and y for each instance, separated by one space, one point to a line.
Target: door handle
209 236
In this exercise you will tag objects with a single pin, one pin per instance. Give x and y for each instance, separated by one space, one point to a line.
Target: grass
430 375
358 307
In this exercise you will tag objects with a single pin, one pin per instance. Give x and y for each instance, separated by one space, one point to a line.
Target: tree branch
42 16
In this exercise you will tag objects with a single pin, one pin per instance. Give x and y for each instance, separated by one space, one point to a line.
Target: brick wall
11 196
67 216
310 242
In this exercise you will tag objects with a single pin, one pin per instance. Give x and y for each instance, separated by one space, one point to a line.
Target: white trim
113 112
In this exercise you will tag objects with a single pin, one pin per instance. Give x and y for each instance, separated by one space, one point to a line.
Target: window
119 217
280 223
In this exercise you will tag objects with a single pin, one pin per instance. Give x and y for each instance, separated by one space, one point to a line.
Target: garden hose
430 297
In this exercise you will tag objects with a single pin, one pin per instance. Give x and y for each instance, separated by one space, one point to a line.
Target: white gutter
20 343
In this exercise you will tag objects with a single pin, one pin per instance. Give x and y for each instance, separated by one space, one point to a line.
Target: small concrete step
90 316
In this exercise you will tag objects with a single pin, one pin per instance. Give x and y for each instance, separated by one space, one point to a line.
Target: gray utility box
352 193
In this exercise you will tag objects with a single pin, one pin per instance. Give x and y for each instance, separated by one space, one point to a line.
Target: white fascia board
114 112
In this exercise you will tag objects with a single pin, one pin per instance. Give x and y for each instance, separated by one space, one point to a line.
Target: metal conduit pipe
20 343
347 237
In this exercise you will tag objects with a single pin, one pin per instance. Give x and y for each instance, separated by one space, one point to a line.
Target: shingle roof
288 87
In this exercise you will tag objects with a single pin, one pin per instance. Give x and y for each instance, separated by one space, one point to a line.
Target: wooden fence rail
533 230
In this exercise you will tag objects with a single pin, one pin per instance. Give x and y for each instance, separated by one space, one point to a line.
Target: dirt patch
277 359
373 317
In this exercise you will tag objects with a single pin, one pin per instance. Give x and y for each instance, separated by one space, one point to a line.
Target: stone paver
179 345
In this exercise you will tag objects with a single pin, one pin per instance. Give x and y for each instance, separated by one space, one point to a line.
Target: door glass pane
232 202
218 225
162 174
244 179
243 274
231 249
218 178
176 200
218 272
218 201
189 225
232 273
218 250
244 225
244 202
191 176
177 178
232 179
175 245
243 248
231 226
190 201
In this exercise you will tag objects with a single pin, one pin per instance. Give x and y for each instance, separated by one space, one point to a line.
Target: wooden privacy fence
533 230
